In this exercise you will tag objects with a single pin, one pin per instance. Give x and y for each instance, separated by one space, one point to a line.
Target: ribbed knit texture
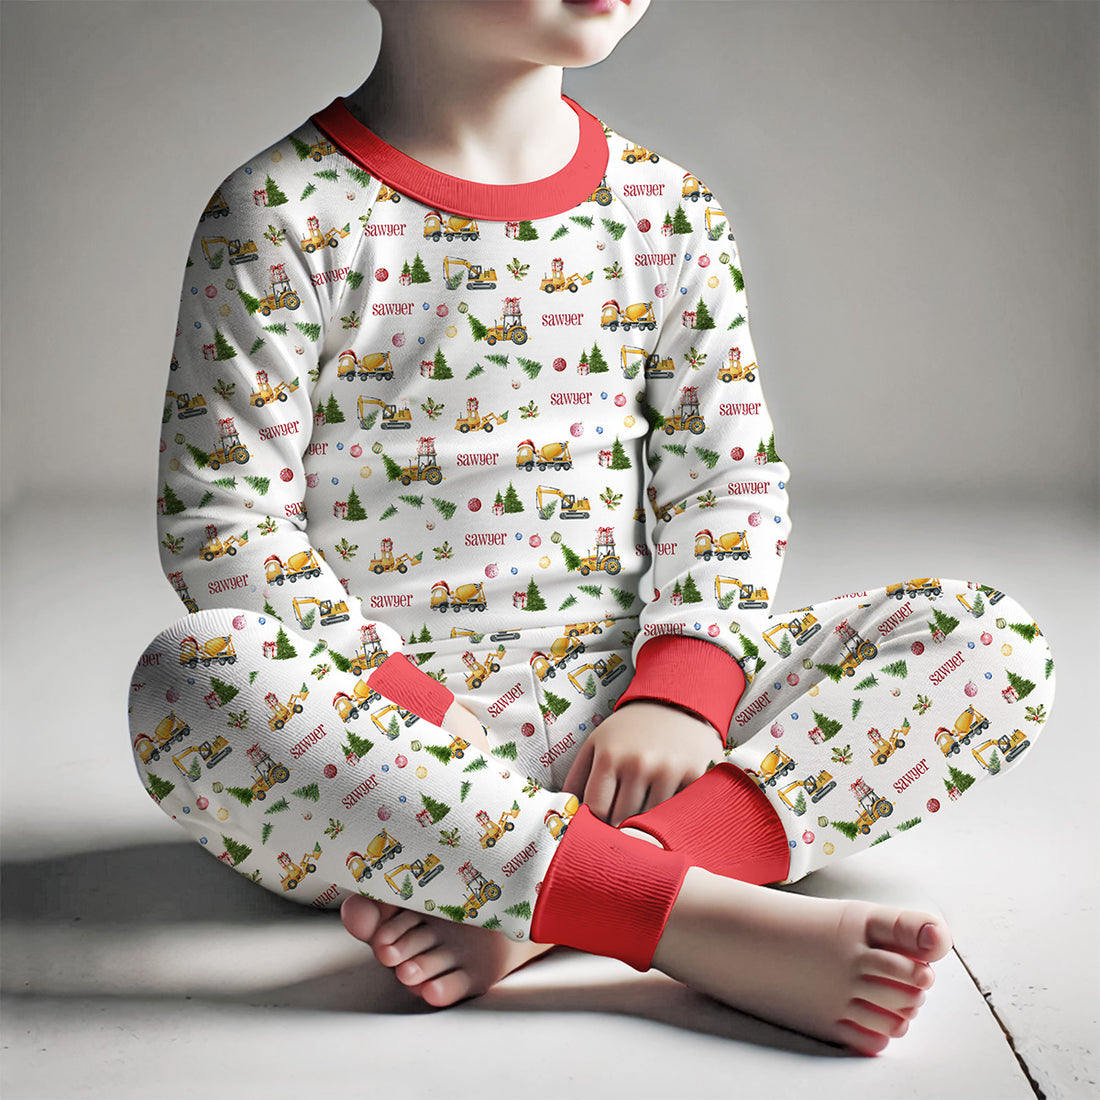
723 823
691 673
543 198
607 893
400 681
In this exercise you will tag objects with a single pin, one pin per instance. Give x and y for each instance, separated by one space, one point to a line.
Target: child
516 673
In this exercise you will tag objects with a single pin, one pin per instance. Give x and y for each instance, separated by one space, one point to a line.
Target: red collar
554 194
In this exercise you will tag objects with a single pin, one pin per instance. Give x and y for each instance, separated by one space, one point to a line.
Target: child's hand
458 721
642 754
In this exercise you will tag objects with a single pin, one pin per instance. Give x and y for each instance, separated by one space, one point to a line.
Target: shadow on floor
71 903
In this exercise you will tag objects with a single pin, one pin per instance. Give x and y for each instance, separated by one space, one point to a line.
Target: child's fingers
630 799
661 787
577 779
599 791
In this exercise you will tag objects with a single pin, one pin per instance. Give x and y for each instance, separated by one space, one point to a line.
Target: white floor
122 978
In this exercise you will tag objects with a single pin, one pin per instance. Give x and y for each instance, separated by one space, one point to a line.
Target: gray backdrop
913 187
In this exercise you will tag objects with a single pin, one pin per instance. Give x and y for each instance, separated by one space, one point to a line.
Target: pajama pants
864 715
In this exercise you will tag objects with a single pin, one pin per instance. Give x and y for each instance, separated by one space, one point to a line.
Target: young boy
456 319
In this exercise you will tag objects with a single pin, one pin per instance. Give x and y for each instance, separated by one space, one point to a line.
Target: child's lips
595 6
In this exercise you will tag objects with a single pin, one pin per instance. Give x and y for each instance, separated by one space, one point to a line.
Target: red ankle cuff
607 893
723 823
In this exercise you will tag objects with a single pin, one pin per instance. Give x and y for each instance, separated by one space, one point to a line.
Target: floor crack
988 998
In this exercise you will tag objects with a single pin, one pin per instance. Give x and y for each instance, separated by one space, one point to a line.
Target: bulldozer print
473 421
558 280
315 239
295 872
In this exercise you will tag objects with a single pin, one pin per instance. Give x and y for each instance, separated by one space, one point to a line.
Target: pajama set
426 439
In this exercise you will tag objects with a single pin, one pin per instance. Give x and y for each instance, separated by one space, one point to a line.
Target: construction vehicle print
422 871
922 586
426 466
655 366
856 649
817 787
217 207
210 751
603 556
295 872
481 890
229 447
969 606
474 635
328 611
1010 746
283 712
635 315
186 406
375 364
494 830
302 565
381 847
215 547
715 231
881 749
561 650
992 594
557 821
733 544
180 585
772 768
747 597
387 563
385 728
167 731
733 370
477 278
348 706
392 416
458 747
265 393
803 627
473 421
372 653
605 670
280 294
871 806
574 630
214 650
687 417
602 194
663 512
268 773
238 253
466 597
510 326
568 508
319 149
635 152
387 194
558 280
693 187
316 239
555 455
969 723
479 671
437 224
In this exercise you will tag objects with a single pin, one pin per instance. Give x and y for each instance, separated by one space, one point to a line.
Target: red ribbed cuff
688 672
607 893
400 681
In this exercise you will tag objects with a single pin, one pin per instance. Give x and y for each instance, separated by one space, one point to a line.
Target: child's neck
498 123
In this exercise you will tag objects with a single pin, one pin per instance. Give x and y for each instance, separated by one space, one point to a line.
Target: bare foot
848 972
439 960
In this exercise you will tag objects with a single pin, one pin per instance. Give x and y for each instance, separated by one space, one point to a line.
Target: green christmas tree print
619 459
242 794
419 272
680 223
597 364
224 691
535 602
521 909
476 764
1027 631
284 651
275 196
691 591
512 503
507 751
438 810
1021 686
357 746
333 413
440 370
236 850
452 912
554 703
942 622
356 511
527 232
440 752
848 828
158 788
960 780
311 792
703 319
172 503
830 727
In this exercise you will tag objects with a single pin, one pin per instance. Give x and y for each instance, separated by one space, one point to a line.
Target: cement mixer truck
733 544
215 649
465 596
438 225
302 564
635 315
375 365
554 455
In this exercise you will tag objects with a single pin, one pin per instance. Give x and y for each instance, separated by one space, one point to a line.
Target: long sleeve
257 309
717 521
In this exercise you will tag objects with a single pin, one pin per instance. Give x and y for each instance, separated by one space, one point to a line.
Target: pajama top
404 406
